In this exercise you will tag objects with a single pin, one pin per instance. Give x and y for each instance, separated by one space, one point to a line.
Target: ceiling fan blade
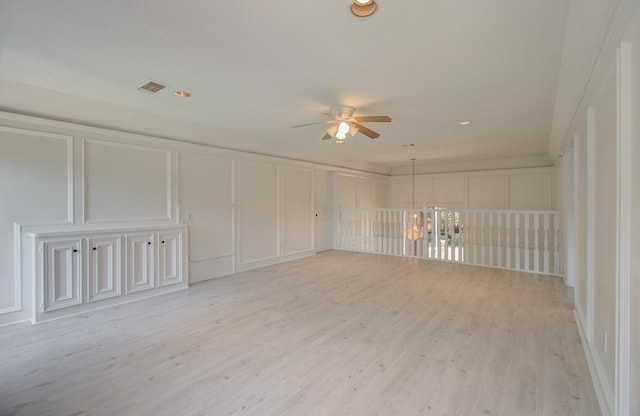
311 124
373 119
327 136
369 133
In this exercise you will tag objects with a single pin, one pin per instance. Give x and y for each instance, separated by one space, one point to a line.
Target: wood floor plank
335 334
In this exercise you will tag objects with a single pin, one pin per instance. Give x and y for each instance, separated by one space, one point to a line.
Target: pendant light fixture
415 228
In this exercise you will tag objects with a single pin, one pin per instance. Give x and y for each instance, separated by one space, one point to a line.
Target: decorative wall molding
598 384
17 271
168 175
624 190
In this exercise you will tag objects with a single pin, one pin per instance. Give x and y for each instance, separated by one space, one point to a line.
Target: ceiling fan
344 122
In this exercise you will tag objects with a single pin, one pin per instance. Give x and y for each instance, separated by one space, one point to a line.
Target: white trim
70 181
624 189
279 221
17 271
169 144
598 386
590 222
168 188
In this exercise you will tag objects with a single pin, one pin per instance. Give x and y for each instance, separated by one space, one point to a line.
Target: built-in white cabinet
76 272
170 262
140 262
104 257
61 280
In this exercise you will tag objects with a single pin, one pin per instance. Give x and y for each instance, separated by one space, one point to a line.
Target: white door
170 258
324 211
62 283
104 258
140 262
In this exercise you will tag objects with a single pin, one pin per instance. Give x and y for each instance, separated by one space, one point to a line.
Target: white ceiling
255 68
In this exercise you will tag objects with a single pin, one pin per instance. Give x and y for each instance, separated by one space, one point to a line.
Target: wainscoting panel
125 183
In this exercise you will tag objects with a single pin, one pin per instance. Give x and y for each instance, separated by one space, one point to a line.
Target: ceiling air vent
152 87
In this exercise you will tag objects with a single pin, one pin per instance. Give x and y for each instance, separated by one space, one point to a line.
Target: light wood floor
335 334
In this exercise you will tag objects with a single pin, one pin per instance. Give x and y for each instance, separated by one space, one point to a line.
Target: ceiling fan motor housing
342 111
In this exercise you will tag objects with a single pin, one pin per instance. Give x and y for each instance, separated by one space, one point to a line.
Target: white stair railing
516 240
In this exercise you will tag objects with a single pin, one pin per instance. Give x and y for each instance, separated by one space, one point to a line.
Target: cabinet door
170 264
62 284
140 262
103 277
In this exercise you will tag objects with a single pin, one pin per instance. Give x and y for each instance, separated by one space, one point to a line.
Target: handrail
509 239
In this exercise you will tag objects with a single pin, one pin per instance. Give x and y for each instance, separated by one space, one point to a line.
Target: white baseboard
604 392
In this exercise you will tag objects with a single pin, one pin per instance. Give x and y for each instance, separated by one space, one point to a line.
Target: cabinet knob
162 241
94 249
149 242
75 250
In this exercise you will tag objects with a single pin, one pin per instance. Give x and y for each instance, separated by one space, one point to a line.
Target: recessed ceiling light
182 94
364 8
464 122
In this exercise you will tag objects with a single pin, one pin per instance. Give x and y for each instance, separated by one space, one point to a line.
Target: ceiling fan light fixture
364 8
343 129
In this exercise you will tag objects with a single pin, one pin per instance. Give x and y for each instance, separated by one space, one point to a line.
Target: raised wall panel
531 191
258 219
36 184
297 223
487 192
205 198
449 191
366 192
204 181
62 274
140 262
347 191
604 210
324 210
580 238
126 183
170 258
634 292
104 267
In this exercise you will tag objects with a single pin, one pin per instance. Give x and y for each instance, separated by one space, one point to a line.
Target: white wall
603 200
243 210
526 189
36 184
206 201
634 225
359 190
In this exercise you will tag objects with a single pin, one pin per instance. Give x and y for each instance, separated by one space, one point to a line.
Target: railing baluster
556 243
491 237
516 240
507 227
517 252
526 241
546 242
536 242
464 233
499 245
